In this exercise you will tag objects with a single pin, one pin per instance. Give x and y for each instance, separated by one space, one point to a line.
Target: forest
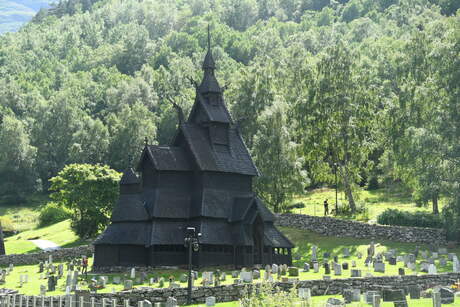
366 90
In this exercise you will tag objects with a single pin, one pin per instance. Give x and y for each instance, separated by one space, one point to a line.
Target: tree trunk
435 204
348 192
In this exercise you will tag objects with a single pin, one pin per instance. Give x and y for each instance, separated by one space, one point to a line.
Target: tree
275 155
17 160
339 119
90 192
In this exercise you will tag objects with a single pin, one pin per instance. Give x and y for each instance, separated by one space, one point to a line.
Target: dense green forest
367 89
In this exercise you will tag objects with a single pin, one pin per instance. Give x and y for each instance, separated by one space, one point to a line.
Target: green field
23 216
59 233
376 201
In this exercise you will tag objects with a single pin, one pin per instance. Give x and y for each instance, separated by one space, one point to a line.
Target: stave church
203 179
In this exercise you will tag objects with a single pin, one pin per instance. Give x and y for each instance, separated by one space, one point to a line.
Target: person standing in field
326 208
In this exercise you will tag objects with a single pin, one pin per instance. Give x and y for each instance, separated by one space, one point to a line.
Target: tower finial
209 37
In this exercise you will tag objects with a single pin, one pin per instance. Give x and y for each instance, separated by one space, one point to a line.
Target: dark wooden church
2 244
203 179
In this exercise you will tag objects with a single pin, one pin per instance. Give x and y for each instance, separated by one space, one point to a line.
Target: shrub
52 213
403 218
298 205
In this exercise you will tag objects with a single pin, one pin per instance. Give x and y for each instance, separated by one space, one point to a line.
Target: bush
298 205
403 218
51 214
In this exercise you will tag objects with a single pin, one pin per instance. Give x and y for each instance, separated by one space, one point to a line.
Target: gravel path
45 245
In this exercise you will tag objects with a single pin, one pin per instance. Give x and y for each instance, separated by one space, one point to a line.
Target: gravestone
128 284
246 277
267 275
411 258
306 267
133 273
223 276
379 267
211 301
355 273
314 253
293 271
41 266
327 269
256 274
209 276
436 297
376 300
392 260
412 266
432 269
116 280
442 251
356 297
451 256
353 264
42 290
345 266
346 252
337 269
399 258
424 267
316 267
393 295
2 243
336 259
435 255
401 272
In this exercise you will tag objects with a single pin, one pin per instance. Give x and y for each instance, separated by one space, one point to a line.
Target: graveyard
345 258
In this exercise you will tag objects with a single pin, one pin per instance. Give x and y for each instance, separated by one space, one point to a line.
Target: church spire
209 83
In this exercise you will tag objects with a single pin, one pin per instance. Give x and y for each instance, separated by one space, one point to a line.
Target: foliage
404 218
52 213
89 192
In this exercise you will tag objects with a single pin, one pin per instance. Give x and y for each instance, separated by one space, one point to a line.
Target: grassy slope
24 216
376 202
59 233
302 239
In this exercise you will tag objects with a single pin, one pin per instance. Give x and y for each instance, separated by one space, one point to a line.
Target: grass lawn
59 233
376 202
24 216
301 254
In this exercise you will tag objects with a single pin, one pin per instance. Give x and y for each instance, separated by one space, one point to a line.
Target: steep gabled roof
129 177
273 237
136 233
167 203
166 158
129 208
235 160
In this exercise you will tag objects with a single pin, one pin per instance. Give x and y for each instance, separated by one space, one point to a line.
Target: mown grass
59 233
22 217
376 201
302 253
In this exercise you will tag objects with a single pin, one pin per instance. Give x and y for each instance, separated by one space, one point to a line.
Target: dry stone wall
342 228
58 255
235 292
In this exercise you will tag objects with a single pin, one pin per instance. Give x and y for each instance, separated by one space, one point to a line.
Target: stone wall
342 228
58 255
235 292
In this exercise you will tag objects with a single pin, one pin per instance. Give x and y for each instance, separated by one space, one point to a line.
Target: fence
18 300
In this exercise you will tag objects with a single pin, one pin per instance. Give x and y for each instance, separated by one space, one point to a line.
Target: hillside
14 13
364 89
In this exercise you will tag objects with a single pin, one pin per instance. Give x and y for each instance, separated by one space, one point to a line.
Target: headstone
401 272
442 251
133 273
336 259
359 255
235 274
293 271
275 269
399 258
256 274
41 266
314 253
316 267
128 284
116 280
392 260
436 297
174 285
337 269
379 267
306 267
223 276
411 258
345 265
209 276
183 278
327 277
42 290
376 300
424 254
355 273
424 267
451 256
432 269
267 275
456 266
246 277
412 266
392 295
435 255
211 301
346 252
327 268
353 264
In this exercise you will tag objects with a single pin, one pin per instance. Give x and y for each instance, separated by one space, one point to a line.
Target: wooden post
82 302
60 301
126 302
93 302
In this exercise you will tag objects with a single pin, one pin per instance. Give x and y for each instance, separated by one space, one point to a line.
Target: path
45 245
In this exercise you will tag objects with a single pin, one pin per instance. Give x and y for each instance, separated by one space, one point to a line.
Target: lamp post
193 245
336 205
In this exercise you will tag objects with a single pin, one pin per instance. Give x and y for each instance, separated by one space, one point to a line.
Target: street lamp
193 245
336 205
